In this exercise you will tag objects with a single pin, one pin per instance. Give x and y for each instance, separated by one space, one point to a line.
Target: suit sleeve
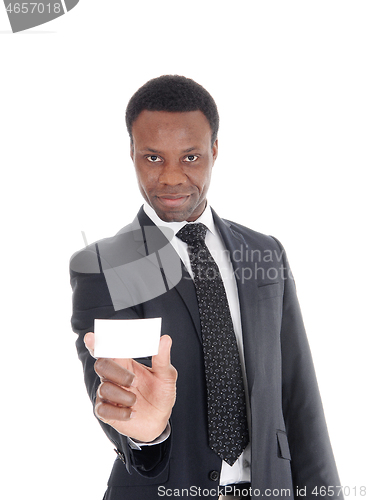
91 300
312 459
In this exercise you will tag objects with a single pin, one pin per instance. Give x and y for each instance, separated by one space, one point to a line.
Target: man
236 411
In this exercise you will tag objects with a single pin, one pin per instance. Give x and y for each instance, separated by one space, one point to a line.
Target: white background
290 80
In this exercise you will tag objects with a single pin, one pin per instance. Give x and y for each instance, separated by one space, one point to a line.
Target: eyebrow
150 150
155 151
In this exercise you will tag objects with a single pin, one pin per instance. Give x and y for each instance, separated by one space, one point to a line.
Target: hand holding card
134 399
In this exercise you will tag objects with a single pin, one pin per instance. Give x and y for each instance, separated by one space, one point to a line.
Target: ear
132 151
215 150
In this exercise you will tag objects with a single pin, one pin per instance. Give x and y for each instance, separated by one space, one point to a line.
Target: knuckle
103 411
103 390
101 365
124 414
127 378
109 370
132 398
106 412
98 411
107 391
116 394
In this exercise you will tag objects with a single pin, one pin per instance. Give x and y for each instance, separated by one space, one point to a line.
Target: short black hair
172 93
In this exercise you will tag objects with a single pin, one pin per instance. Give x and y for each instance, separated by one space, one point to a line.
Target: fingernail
132 414
135 382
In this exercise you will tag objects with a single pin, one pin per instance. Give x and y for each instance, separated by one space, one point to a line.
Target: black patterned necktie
227 424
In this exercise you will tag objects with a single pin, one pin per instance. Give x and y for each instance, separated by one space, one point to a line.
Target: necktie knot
192 233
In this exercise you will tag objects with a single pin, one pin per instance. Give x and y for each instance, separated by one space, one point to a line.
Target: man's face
173 158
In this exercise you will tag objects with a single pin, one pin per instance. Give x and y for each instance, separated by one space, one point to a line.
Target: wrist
136 444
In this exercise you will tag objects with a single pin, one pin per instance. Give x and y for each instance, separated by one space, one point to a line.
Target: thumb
161 362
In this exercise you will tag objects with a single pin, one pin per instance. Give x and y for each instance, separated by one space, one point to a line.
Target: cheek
203 181
144 178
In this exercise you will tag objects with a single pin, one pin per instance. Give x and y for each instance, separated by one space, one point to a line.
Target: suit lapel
186 290
185 287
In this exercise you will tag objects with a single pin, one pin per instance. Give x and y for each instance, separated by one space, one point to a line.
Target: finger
108 369
105 412
112 393
89 342
161 362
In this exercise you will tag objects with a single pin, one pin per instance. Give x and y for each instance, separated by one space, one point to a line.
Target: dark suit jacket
289 438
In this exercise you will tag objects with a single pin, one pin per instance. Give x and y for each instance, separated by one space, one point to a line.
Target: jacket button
214 475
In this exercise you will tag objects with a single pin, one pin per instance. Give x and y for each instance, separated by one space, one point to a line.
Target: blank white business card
127 338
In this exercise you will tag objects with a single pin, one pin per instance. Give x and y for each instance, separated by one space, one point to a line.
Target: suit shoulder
88 260
255 238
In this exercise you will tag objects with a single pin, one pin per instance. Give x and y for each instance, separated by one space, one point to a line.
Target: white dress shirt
240 471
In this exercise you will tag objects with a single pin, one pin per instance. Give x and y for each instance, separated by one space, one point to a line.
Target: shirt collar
205 218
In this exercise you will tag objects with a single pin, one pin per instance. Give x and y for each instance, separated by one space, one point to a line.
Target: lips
173 201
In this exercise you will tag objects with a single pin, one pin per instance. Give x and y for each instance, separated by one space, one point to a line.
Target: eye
153 158
191 158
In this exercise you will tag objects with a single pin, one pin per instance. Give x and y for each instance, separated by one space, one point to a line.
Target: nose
172 174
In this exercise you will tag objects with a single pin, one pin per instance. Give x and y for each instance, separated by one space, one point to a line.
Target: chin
179 215
172 217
